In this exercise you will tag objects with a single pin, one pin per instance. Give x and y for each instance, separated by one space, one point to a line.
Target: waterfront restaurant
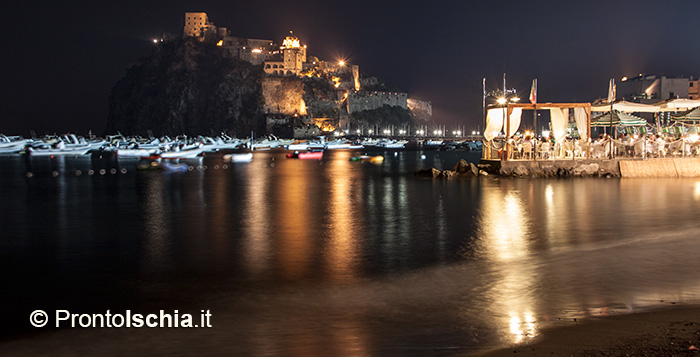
575 134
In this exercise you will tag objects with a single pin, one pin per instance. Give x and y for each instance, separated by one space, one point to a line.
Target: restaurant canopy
619 119
676 104
626 107
688 115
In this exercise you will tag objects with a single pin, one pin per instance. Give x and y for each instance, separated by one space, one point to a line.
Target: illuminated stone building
290 59
197 25
255 51
364 100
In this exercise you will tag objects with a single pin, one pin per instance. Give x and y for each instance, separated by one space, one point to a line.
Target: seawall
671 167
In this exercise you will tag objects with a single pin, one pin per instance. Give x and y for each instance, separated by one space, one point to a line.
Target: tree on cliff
187 87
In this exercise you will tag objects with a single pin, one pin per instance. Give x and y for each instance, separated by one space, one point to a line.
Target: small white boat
393 144
338 144
59 151
134 153
243 157
186 153
300 146
11 145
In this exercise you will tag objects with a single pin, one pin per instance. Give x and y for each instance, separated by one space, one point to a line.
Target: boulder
460 167
448 174
432 173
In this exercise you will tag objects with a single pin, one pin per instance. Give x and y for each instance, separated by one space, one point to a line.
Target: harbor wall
671 167
676 167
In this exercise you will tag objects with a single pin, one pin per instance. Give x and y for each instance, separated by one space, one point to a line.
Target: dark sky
60 59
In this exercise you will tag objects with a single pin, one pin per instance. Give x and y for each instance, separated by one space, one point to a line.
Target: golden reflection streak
506 230
696 191
296 219
341 255
257 245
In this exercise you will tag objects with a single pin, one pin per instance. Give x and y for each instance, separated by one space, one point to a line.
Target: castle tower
294 54
196 24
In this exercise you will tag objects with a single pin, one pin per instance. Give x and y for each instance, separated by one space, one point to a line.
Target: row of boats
181 147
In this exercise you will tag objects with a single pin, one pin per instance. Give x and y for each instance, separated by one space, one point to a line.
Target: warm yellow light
501 100
341 63
515 99
256 50
290 42
220 43
624 79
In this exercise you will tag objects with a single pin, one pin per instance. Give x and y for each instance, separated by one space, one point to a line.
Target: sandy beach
671 331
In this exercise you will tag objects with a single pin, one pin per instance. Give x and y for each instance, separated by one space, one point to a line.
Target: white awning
678 104
627 107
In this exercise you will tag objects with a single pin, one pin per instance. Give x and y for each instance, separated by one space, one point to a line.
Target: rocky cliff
188 87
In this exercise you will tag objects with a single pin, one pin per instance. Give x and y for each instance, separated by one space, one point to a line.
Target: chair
660 147
544 150
527 150
639 149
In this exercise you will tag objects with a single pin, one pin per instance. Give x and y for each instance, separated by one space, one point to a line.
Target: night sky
61 59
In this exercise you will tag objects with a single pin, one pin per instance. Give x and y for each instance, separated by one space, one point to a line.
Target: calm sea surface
331 257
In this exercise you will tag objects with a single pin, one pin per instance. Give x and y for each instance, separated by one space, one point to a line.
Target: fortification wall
283 95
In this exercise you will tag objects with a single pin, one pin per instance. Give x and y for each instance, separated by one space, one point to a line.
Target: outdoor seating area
580 136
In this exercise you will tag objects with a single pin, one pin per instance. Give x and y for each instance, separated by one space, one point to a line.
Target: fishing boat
60 149
185 153
338 144
11 145
299 145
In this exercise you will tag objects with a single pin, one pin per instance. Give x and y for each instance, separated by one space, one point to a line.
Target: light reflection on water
339 257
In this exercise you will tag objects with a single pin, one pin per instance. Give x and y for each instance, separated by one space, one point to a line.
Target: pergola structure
536 106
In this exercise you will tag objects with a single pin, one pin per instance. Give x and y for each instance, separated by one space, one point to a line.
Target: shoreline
663 331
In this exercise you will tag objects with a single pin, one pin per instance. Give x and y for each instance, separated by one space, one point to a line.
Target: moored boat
59 150
185 153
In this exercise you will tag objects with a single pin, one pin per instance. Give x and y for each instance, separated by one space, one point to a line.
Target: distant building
693 89
652 89
364 100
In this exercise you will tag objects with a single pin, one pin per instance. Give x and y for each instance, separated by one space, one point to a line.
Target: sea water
331 257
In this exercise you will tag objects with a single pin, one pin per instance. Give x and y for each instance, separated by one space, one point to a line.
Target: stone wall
672 167
677 167
283 95
552 168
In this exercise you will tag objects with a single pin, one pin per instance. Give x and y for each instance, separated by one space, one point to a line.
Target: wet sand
672 331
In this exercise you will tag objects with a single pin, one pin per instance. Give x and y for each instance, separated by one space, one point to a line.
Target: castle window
281 66
274 66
